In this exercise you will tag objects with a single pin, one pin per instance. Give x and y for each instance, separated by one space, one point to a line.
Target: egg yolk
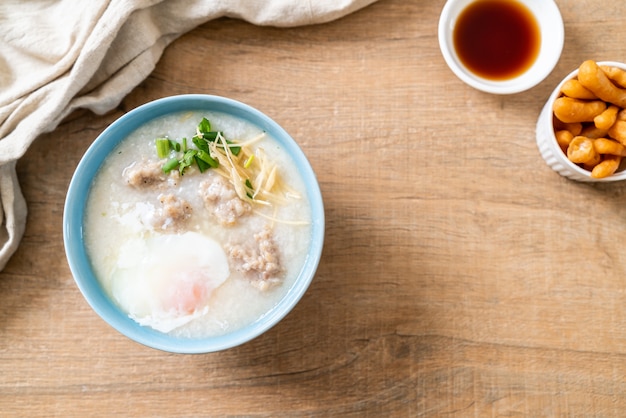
185 296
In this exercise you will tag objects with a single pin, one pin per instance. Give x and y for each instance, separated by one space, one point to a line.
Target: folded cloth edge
14 211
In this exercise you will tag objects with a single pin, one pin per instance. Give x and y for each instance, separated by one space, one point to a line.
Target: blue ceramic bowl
74 215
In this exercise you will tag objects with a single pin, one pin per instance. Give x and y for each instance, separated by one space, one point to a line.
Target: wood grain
460 277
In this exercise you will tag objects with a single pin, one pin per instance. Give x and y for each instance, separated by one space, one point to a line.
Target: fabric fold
57 56
12 212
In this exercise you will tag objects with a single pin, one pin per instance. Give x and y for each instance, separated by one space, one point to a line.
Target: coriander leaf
186 161
204 126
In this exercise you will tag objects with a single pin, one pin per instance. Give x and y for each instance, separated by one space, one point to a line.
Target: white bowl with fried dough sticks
609 91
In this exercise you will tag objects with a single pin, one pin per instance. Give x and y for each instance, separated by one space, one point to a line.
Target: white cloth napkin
60 55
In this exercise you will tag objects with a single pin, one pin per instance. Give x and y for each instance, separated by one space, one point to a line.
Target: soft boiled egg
166 281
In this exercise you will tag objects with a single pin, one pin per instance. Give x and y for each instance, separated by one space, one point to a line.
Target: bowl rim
74 211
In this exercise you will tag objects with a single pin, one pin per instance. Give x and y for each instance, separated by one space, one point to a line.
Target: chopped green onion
170 165
202 165
234 150
249 186
200 143
188 156
201 154
210 136
174 145
163 147
204 156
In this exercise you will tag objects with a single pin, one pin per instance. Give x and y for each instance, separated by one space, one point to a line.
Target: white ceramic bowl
75 212
549 148
552 38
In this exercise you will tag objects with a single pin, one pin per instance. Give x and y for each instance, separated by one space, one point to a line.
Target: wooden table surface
461 276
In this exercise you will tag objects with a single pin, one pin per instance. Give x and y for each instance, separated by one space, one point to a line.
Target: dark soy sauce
497 39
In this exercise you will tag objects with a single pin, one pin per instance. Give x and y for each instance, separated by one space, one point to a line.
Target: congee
197 224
